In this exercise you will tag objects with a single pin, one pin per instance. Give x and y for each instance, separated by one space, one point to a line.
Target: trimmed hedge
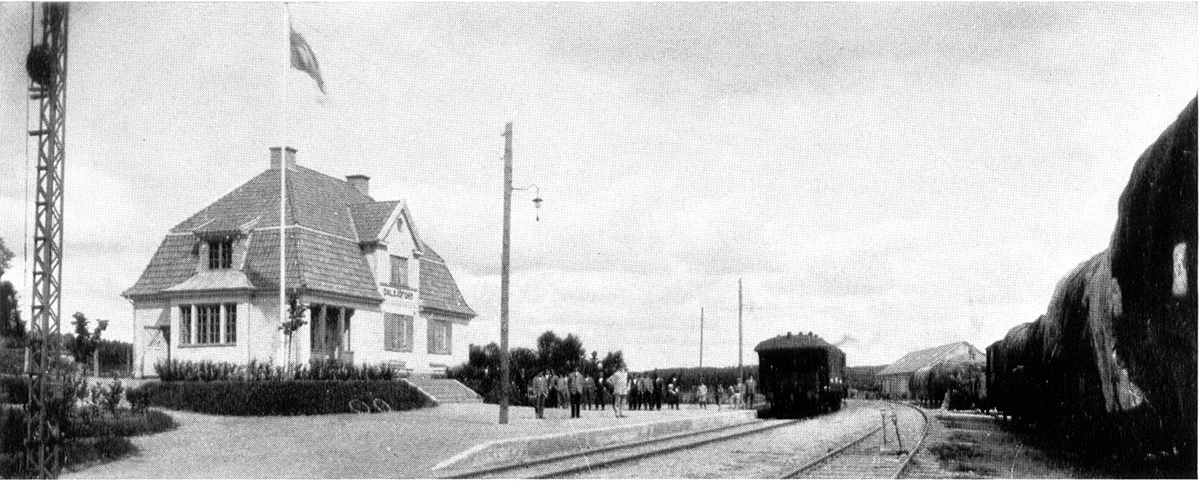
282 397
95 423
208 371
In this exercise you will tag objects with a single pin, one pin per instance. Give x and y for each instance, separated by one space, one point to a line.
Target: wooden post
504 253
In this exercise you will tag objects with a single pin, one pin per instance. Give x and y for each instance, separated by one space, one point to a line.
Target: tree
5 257
612 362
295 320
559 354
11 325
84 344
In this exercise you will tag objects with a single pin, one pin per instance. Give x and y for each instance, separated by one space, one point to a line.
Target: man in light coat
620 384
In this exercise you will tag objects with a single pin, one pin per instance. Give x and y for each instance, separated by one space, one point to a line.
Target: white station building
377 294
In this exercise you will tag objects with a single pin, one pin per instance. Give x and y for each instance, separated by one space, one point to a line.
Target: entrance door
156 349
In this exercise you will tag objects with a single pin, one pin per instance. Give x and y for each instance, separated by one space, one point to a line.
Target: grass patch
974 468
952 451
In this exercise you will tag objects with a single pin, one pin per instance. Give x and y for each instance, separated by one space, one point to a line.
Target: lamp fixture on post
537 199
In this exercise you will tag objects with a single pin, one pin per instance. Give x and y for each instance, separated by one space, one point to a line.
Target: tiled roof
171 264
369 218
439 292
323 252
225 279
924 358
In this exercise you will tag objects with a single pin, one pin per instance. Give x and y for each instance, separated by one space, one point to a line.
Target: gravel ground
763 455
392 445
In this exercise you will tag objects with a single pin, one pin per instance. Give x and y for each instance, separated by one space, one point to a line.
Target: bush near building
283 397
962 381
95 432
207 371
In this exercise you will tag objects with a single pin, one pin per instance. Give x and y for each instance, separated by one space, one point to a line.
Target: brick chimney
360 182
291 157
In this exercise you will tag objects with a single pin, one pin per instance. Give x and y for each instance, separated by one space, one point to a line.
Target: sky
890 176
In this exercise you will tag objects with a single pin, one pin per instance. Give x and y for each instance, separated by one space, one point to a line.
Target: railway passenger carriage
801 374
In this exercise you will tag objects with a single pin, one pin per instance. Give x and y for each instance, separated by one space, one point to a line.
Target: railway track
588 460
868 457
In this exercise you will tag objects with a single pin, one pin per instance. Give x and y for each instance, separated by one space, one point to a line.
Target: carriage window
1179 285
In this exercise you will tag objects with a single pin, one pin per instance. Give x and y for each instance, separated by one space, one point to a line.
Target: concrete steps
446 390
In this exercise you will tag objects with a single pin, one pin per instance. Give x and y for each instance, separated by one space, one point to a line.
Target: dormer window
220 254
399 271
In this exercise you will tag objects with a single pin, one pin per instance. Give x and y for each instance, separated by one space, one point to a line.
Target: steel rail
920 443
556 473
829 456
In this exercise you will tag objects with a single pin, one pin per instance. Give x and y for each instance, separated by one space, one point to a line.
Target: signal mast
47 68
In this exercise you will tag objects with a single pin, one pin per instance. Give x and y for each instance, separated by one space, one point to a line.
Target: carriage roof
791 341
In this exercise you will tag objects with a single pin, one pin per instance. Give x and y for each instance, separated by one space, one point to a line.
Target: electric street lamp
537 202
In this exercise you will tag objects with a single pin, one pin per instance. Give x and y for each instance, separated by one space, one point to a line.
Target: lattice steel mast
47 67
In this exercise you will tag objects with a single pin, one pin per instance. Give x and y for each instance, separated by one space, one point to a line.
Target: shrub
14 389
93 423
80 451
111 398
138 398
207 371
282 397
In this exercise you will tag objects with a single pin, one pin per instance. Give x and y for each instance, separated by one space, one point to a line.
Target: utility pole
504 275
740 332
701 336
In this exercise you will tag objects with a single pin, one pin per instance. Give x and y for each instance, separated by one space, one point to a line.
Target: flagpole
283 307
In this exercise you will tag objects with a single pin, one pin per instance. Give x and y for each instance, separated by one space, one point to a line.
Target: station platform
426 443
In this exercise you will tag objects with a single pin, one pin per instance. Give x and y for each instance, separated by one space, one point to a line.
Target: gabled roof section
370 218
919 359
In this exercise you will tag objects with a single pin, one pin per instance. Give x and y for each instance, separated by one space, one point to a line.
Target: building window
220 254
399 271
185 325
397 332
212 324
208 324
230 323
439 337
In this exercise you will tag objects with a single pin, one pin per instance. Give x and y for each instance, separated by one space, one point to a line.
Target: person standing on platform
575 388
717 395
620 385
589 393
657 387
538 389
564 398
646 384
551 392
603 392
751 386
702 395
635 395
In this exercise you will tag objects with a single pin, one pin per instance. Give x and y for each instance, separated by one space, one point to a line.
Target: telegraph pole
740 332
504 275
702 336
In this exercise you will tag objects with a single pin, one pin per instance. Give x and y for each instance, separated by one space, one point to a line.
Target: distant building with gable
894 378
376 292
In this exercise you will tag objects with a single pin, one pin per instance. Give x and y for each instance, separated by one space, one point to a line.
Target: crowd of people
626 391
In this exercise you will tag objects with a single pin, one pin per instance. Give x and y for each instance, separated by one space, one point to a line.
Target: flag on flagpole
304 60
